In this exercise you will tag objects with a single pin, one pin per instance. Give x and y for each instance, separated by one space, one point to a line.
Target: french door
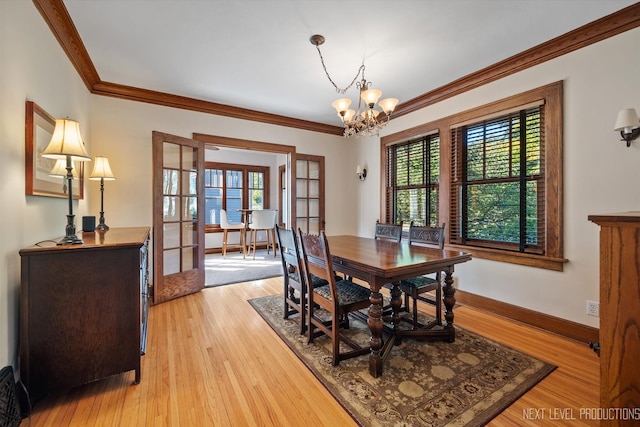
178 216
309 197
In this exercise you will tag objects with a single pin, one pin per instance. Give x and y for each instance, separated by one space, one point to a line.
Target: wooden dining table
380 262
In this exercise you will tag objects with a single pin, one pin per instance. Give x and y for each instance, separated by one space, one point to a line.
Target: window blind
497 177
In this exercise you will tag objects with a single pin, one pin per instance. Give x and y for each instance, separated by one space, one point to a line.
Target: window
413 171
497 182
234 187
499 189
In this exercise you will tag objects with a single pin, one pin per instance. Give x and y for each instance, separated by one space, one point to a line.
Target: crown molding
601 29
57 17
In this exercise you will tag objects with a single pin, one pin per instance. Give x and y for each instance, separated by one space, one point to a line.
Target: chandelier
365 120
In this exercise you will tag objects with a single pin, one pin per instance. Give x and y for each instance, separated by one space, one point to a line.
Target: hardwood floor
212 361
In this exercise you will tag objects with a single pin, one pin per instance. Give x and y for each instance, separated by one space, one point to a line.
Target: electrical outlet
593 308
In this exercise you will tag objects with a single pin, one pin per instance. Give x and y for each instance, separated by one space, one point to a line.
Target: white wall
600 172
121 130
32 67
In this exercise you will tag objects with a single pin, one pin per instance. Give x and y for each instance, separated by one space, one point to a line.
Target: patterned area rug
465 383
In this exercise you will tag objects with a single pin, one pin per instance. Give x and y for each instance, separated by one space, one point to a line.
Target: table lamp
67 144
102 171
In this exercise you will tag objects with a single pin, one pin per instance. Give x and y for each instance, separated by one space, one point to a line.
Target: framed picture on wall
40 177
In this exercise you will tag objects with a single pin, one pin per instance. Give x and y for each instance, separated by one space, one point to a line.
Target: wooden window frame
246 169
392 187
551 95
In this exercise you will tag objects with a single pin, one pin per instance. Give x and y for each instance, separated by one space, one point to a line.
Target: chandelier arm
339 90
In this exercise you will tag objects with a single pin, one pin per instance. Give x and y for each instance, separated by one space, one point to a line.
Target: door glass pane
314 170
314 188
189 158
189 182
171 235
301 188
171 155
314 207
190 208
170 208
314 226
170 181
302 224
301 169
171 261
188 259
188 233
301 207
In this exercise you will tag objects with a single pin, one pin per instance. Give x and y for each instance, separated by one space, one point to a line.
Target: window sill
531 260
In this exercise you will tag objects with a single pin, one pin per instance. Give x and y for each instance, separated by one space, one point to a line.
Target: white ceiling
256 54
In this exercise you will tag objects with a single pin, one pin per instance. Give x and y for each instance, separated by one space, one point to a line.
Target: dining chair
295 281
338 298
263 220
391 232
415 287
388 231
227 226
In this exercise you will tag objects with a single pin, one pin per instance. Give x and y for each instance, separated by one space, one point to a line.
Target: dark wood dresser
619 313
83 309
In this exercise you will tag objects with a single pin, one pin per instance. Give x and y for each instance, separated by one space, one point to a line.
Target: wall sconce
361 172
628 124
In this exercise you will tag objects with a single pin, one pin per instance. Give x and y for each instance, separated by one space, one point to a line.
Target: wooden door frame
244 144
281 169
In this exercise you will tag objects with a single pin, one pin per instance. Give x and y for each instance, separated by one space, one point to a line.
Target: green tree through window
500 180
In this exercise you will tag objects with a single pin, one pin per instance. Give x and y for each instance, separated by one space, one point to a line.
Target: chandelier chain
339 90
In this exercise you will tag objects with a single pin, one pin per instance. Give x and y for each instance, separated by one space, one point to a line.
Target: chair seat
348 292
419 282
316 281
234 226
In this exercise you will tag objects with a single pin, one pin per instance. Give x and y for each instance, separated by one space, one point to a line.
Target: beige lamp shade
66 141
101 169
341 105
371 96
60 169
388 105
348 115
627 120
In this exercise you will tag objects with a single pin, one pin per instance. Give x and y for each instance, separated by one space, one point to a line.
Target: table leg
449 301
396 303
375 325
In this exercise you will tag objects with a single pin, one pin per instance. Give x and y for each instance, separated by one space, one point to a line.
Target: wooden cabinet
619 312
83 309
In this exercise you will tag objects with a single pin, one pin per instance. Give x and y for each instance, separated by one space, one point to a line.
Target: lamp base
102 227
70 240
70 237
